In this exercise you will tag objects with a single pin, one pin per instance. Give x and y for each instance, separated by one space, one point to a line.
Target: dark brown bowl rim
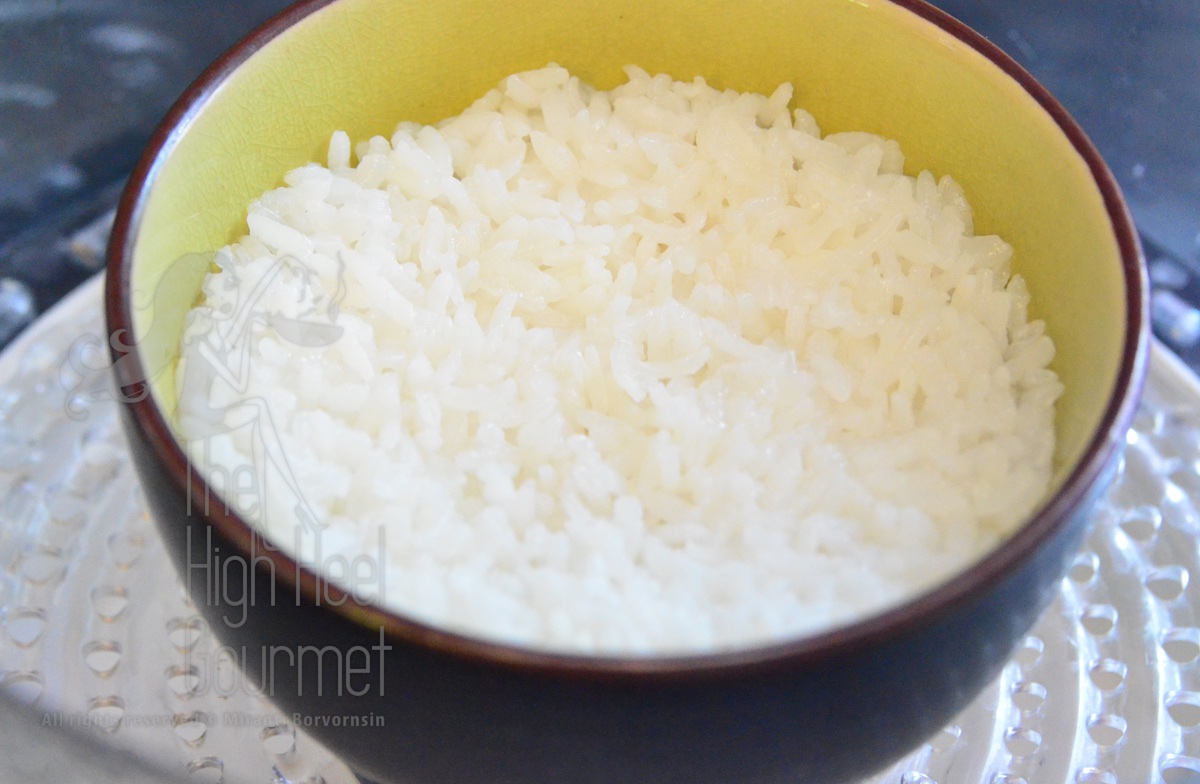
922 611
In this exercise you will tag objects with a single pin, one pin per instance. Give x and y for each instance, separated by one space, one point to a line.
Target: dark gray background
83 83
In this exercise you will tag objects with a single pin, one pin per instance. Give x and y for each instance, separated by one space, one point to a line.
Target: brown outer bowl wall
922 612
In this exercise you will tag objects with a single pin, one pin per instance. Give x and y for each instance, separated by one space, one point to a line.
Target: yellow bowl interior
364 65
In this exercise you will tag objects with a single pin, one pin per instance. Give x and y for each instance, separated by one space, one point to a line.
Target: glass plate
107 671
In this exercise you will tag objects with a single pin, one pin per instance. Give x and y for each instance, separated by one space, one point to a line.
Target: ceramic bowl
404 702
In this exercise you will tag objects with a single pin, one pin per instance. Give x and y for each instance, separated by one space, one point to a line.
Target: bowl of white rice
625 391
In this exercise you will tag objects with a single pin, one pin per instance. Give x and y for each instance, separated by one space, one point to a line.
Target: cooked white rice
650 370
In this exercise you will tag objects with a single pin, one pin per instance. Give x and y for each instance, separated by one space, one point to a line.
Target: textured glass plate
98 637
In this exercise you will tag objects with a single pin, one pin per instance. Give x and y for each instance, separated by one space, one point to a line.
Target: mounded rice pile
650 370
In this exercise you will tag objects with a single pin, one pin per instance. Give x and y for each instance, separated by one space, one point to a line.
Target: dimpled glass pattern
96 631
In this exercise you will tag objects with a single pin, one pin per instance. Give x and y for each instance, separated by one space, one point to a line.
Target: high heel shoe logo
227 430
